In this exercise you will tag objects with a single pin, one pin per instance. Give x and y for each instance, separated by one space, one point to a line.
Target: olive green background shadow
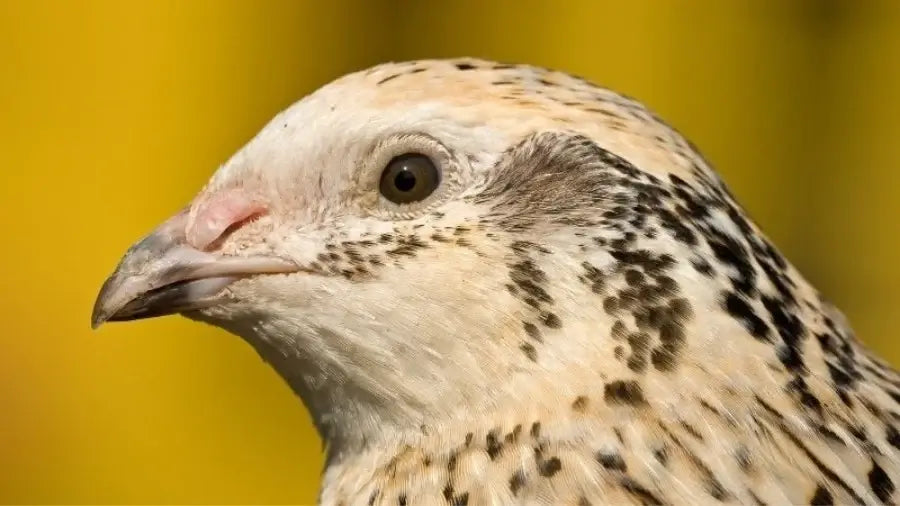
115 113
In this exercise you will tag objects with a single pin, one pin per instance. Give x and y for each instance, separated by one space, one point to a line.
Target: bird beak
162 274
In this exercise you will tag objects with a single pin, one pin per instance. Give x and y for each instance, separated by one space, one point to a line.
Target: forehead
475 104
505 89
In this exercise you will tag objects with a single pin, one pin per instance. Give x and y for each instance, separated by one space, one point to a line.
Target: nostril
217 242
219 214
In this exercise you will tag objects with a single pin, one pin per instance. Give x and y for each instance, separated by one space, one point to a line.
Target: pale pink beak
163 274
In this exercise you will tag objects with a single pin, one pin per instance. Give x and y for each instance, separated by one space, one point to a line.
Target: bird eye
409 178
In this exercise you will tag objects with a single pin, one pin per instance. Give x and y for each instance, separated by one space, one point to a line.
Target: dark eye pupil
405 181
409 178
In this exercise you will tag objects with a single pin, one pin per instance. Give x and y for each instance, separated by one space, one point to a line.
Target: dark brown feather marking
880 483
825 470
640 492
821 497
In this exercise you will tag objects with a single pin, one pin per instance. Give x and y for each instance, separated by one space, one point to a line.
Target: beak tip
99 315
101 311
97 321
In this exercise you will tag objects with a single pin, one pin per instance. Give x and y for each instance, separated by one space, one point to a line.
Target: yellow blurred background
115 113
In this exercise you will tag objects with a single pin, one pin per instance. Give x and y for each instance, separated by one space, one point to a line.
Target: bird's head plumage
423 236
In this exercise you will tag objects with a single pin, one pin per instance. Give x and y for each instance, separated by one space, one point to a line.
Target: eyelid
398 145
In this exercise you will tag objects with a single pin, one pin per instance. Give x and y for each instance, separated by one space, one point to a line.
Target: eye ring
409 178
